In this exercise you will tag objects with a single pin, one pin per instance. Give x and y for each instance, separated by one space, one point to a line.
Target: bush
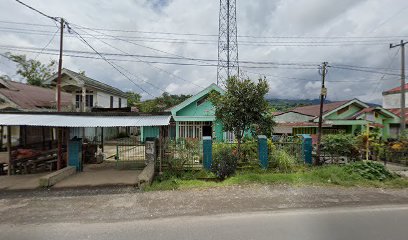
340 145
224 163
282 161
370 170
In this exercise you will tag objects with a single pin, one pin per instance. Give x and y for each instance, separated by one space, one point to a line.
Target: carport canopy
81 120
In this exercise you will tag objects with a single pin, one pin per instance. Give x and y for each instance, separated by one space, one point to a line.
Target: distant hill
282 105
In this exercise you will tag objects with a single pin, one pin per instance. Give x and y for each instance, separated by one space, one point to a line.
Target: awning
60 120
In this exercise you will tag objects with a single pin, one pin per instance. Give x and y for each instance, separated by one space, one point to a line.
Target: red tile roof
396 90
314 110
364 110
303 124
30 97
397 111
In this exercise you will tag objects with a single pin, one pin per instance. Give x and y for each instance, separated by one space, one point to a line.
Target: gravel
127 204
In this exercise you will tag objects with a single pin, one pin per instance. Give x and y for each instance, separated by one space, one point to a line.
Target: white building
88 93
392 98
392 102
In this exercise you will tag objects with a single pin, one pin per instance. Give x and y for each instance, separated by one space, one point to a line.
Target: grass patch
333 175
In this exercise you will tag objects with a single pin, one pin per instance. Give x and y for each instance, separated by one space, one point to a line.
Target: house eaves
89 82
196 97
353 101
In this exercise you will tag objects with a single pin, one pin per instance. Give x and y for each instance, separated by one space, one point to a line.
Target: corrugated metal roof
52 120
29 97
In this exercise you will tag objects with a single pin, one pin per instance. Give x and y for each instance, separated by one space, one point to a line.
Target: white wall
103 100
394 100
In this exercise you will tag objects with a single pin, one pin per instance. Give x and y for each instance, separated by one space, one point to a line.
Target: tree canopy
158 104
33 71
243 107
133 99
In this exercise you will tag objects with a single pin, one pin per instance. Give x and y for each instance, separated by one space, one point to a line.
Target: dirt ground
127 204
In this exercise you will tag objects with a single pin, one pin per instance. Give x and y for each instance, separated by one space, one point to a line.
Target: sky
283 40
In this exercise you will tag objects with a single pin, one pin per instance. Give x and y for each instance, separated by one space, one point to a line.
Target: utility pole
323 94
402 45
60 66
59 130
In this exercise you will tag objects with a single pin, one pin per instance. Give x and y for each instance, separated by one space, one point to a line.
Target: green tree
33 71
242 107
133 99
161 103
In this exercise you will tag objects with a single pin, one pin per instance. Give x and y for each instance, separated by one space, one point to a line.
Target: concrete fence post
263 151
307 148
207 152
150 150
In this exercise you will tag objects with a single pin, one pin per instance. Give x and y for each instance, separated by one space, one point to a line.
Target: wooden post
43 137
9 149
59 161
102 141
367 143
1 138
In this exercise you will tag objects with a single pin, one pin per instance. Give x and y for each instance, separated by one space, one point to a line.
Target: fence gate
130 154
290 144
180 154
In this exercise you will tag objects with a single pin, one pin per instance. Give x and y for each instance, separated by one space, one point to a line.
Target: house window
111 101
78 100
229 137
202 100
120 102
193 129
343 110
88 100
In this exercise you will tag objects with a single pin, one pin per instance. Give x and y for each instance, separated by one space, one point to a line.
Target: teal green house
193 118
350 116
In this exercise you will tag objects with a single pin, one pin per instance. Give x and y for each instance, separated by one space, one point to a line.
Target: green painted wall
353 109
146 132
217 127
204 109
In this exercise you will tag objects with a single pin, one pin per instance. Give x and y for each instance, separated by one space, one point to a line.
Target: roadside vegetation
359 174
237 163
227 170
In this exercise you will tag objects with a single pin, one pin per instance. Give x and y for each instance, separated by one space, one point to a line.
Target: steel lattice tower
227 42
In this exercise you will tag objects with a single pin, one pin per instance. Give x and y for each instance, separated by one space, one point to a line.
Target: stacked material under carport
78 120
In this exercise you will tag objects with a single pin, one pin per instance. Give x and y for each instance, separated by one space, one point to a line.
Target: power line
362 70
160 69
140 45
113 65
213 35
310 80
208 62
38 11
206 41
49 42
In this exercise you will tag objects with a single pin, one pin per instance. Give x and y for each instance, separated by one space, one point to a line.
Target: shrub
340 145
282 161
249 150
370 170
224 163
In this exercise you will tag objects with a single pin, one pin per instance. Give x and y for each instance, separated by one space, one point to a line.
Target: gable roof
383 111
29 97
397 111
314 110
196 97
89 82
395 90
329 108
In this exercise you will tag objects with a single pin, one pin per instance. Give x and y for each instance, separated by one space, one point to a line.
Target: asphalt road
363 223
